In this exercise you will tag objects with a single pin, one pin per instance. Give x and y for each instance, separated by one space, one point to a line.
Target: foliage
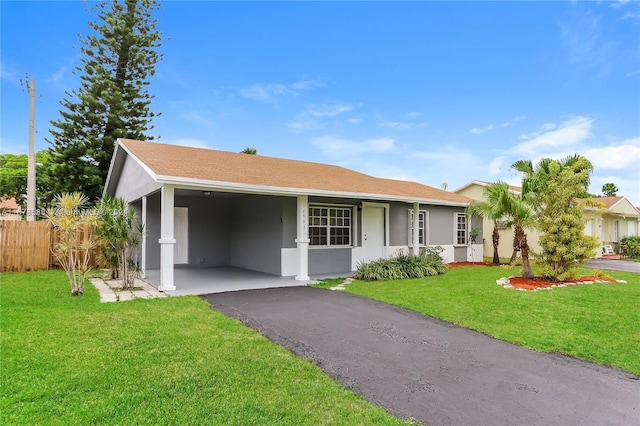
630 246
492 208
75 224
112 101
75 361
119 235
559 218
553 211
583 321
402 266
609 189
13 176
249 150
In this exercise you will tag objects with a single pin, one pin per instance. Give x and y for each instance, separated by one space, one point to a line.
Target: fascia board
202 184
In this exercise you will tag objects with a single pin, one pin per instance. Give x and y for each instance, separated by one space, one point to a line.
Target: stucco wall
257 229
209 230
153 231
134 181
329 260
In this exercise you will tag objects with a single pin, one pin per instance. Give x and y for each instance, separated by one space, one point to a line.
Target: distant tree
13 176
249 150
609 189
112 101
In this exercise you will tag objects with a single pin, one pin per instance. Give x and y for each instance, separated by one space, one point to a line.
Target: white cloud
495 166
354 120
328 110
571 133
480 130
395 125
631 15
615 157
272 92
633 73
304 124
334 146
414 114
619 3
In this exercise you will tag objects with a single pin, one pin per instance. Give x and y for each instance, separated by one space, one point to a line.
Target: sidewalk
110 290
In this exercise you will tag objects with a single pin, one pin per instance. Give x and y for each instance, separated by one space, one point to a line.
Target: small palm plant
75 223
119 235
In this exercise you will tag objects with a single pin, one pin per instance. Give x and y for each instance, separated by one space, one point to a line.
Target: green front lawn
598 322
72 360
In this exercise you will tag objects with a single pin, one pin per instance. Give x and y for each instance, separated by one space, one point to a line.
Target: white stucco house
204 208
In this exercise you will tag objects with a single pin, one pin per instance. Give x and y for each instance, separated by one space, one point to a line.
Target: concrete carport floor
413 365
196 281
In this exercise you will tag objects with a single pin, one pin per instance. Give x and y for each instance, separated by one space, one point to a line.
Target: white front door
372 233
181 234
587 228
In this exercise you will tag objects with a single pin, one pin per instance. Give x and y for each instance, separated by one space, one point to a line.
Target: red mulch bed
459 264
537 282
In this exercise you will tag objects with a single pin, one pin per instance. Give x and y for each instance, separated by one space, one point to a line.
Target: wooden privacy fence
26 246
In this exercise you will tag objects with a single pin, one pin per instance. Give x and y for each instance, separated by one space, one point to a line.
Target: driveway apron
413 365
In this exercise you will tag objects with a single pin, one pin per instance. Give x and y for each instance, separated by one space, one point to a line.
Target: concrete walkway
413 365
110 290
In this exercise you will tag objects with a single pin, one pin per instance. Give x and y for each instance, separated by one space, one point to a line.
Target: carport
198 281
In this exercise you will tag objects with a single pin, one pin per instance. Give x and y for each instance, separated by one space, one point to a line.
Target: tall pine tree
112 101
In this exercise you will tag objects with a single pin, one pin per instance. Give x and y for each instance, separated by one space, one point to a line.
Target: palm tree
521 215
492 208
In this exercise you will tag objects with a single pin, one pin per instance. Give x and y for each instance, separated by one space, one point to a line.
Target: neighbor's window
460 224
330 226
422 232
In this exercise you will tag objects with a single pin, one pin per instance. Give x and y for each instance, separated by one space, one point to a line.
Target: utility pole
31 165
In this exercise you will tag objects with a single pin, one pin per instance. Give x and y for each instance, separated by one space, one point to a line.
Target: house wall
209 230
134 182
152 230
257 233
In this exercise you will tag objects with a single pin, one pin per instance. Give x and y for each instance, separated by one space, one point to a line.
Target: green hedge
630 246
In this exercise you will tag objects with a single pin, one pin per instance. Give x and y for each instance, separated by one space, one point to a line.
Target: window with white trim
330 226
616 230
422 228
460 228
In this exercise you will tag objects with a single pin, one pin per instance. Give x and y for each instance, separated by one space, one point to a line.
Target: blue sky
427 91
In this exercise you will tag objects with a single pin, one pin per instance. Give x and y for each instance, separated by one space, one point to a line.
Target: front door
372 233
181 234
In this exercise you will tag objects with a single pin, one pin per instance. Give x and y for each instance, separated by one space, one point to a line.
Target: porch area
197 281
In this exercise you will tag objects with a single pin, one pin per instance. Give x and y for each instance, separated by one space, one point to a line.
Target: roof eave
286 191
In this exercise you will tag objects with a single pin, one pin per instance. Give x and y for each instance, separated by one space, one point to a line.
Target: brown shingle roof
607 201
221 166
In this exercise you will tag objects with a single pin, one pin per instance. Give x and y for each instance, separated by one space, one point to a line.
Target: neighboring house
9 209
207 208
619 218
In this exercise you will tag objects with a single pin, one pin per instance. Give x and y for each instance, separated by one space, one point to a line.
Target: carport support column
302 240
143 251
415 237
167 241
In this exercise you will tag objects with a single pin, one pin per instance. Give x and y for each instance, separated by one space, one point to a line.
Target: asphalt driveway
418 366
614 265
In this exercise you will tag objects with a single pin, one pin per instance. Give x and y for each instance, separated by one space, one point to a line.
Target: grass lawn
72 360
598 322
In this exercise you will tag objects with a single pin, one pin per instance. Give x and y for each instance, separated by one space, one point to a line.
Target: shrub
630 246
402 266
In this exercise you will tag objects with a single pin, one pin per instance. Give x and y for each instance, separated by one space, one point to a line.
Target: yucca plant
75 223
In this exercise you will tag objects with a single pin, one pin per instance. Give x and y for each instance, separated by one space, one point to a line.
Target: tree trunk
495 237
526 267
516 249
